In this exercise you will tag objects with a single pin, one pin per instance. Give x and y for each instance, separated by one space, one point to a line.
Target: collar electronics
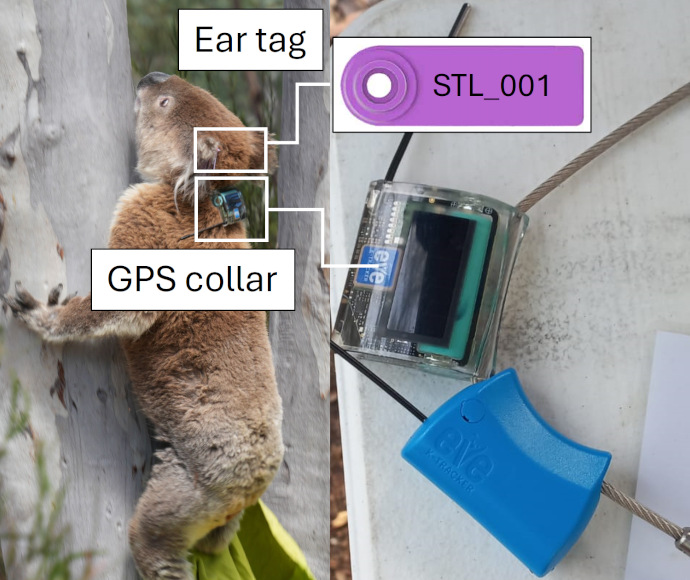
445 259
231 206
435 301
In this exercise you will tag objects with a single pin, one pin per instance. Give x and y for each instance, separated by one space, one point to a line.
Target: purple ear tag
468 86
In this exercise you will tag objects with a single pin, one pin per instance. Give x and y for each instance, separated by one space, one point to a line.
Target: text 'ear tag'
532 488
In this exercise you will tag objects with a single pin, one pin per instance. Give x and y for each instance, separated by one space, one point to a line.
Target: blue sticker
384 275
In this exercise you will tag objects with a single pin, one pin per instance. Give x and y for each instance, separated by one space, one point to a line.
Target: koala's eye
163 102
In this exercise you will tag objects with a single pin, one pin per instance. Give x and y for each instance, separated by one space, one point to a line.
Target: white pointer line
313 209
297 86
288 209
323 237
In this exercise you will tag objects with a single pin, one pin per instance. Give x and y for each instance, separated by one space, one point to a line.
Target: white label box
469 84
192 279
276 40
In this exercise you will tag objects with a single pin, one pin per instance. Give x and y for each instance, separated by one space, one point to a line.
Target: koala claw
54 295
34 314
208 150
24 298
11 303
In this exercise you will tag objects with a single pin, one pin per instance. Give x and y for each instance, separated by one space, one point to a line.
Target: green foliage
43 547
19 414
254 96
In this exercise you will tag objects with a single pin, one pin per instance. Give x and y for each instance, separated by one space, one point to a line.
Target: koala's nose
153 78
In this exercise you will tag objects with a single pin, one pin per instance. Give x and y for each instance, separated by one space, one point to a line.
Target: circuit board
424 296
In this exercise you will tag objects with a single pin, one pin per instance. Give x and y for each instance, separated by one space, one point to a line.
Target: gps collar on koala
435 300
230 205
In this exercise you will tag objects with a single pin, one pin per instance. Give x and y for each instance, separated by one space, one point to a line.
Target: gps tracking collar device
435 301
444 261
440 262
230 205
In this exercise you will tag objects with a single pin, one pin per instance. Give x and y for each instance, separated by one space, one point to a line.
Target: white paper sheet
664 476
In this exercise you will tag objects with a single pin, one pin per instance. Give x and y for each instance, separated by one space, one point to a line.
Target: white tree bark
300 493
66 154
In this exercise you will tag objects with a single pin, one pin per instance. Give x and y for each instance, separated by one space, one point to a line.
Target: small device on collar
231 206
445 259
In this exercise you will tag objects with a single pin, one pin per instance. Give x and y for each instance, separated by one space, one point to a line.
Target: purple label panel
468 86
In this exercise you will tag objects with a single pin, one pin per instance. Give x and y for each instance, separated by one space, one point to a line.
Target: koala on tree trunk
204 379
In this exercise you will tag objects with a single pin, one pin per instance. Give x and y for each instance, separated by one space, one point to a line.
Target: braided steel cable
602 146
641 511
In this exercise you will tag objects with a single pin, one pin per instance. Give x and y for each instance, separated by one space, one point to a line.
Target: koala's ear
207 149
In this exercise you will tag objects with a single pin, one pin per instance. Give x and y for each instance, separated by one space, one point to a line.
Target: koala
204 379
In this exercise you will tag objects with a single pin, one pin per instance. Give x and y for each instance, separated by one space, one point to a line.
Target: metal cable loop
634 506
602 146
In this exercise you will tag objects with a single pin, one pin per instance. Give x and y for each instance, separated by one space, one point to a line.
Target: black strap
202 231
407 137
378 381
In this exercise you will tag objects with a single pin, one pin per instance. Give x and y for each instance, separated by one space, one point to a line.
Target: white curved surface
604 266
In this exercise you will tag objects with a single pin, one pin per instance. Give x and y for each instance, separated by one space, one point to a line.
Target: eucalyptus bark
300 493
66 154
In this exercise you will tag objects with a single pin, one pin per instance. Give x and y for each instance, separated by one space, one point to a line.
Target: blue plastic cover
532 488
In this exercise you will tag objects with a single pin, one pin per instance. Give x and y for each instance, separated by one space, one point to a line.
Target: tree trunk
300 492
66 154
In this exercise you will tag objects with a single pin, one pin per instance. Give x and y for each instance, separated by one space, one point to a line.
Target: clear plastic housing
444 262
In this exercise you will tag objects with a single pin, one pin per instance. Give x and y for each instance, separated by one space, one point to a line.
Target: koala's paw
37 316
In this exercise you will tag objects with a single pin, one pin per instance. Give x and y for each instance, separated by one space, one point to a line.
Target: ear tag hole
379 85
